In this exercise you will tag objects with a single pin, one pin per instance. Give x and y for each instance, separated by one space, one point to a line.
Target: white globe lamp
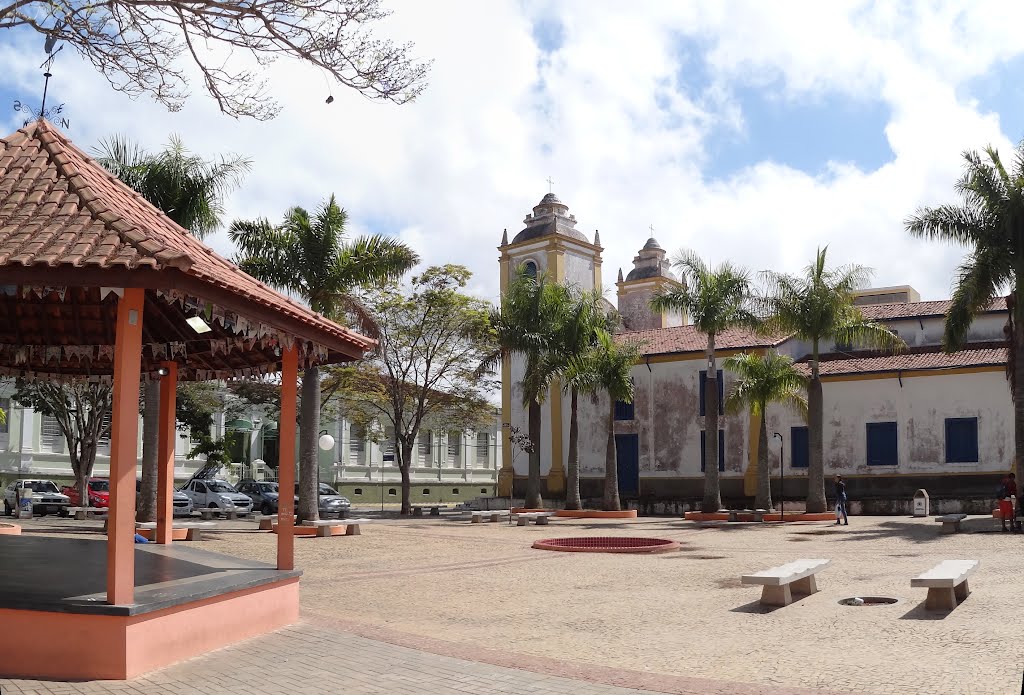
326 441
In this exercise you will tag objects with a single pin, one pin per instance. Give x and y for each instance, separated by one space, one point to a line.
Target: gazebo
96 284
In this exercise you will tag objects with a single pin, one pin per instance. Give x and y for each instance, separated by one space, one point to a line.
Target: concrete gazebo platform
99 286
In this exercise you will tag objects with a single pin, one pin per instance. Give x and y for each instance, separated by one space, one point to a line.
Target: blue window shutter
961 440
703 392
623 410
883 448
799 444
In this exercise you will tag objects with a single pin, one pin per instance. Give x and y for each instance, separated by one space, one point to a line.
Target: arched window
530 269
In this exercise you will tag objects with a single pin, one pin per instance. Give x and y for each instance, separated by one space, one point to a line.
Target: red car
99 493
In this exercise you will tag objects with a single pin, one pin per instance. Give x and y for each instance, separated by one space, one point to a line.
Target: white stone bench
946 583
479 515
435 509
324 526
950 522
539 518
758 514
194 532
83 513
211 512
267 522
780 583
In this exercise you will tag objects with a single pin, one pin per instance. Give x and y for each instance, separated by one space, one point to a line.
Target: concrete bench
435 509
324 526
479 515
267 522
950 522
83 513
539 518
946 583
780 583
758 514
194 528
211 512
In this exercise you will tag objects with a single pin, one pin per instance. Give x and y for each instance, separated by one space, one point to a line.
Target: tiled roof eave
896 371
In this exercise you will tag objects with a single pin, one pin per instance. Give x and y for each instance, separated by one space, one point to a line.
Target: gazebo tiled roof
65 222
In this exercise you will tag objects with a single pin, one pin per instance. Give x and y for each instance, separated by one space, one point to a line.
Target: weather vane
43 112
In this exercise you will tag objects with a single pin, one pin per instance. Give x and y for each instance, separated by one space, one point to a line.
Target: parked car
181 503
99 493
217 494
263 493
46 497
330 501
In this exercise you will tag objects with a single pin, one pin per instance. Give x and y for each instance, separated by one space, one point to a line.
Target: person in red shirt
1009 485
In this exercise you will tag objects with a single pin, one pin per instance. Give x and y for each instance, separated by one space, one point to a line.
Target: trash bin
25 503
921 503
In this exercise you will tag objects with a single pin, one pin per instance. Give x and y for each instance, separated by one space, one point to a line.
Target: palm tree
310 257
716 299
989 222
764 379
815 307
579 333
190 191
607 366
527 324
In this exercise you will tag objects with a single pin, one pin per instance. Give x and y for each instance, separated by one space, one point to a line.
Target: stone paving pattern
673 623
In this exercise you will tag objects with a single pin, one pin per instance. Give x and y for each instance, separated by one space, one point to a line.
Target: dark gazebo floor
69 575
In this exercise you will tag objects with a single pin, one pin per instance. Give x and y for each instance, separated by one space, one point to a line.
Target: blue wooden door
627 450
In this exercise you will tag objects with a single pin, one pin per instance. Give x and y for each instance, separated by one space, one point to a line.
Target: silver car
217 494
46 497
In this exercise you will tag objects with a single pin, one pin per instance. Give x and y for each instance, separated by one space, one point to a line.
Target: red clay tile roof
929 358
913 310
60 208
661 341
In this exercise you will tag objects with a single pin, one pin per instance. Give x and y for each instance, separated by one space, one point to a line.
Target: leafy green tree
716 299
606 367
431 338
579 333
761 380
190 191
989 221
526 325
310 257
817 307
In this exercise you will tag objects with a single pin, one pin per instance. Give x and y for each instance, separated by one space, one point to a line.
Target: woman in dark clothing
841 501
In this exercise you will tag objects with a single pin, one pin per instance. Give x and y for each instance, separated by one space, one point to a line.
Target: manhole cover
606 544
868 601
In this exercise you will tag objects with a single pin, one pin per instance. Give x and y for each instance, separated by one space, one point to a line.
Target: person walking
1007 491
841 502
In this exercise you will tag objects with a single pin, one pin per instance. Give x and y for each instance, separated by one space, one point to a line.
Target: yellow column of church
556 476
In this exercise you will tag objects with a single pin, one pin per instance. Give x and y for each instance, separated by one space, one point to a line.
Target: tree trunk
309 433
1018 390
405 465
611 466
712 486
572 489
816 464
764 480
533 500
150 440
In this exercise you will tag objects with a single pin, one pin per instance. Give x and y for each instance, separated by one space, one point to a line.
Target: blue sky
739 129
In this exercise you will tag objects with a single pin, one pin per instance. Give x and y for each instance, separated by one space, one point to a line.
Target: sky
746 131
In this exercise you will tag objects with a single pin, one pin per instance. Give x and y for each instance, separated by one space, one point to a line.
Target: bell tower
549 243
650 274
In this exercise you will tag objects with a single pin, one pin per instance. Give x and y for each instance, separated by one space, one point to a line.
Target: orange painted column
124 442
286 460
165 454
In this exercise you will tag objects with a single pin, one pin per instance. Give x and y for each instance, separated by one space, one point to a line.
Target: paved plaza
439 605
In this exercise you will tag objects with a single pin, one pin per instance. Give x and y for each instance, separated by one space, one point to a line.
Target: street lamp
326 441
782 476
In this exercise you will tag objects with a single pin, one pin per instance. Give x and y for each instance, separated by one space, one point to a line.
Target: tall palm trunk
1018 390
572 491
816 441
309 433
764 481
533 500
712 484
611 466
150 444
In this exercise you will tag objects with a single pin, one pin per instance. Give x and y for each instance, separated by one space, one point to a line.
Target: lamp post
782 476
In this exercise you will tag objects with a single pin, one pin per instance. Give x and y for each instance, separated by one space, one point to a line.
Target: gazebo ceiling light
198 325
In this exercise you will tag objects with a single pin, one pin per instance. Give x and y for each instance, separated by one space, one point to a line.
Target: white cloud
610 118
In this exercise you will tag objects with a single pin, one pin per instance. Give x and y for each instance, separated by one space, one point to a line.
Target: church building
893 423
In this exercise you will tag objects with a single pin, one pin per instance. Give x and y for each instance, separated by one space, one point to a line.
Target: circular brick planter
596 514
606 544
10 530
